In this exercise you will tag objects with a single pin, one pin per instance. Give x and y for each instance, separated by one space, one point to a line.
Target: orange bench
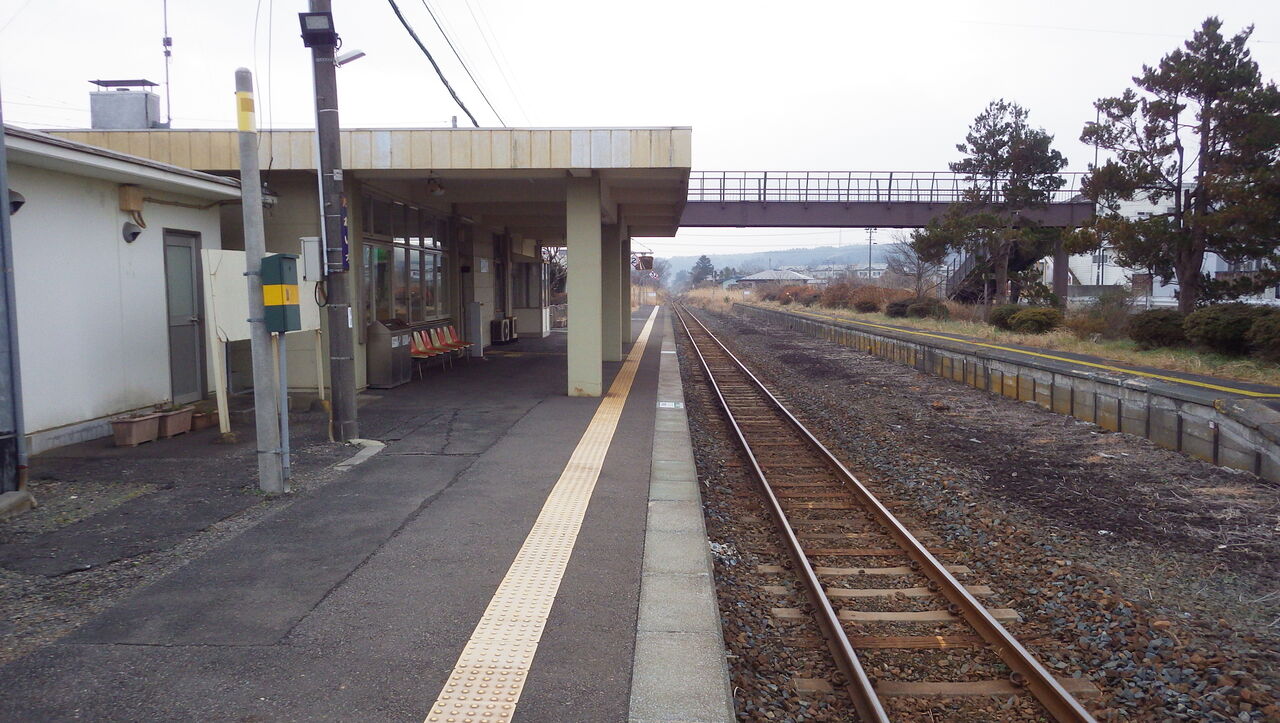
426 344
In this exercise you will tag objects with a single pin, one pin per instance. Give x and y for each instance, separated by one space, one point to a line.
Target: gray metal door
185 305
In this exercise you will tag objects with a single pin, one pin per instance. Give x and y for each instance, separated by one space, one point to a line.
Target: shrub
866 306
1223 327
800 294
1036 320
897 309
1108 313
975 313
1157 328
1001 315
879 294
1086 326
837 295
927 309
1264 337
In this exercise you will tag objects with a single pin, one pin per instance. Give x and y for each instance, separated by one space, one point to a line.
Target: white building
109 316
777 276
1090 274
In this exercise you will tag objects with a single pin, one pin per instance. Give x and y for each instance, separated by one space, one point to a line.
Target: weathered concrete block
1164 427
1009 385
1060 394
1044 391
1082 392
1197 437
1026 387
1271 464
1107 412
1133 417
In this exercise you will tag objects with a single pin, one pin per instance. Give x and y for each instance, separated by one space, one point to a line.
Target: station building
103 303
448 226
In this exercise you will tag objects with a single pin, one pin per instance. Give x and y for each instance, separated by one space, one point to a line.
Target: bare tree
904 260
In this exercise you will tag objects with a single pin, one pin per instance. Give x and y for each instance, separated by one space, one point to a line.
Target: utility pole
270 473
343 425
871 234
13 447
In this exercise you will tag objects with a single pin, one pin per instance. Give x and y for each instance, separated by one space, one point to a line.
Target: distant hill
760 260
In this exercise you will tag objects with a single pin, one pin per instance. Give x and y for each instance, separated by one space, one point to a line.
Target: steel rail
1027 671
860 688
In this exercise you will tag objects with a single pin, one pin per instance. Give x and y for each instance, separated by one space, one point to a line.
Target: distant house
776 276
1091 274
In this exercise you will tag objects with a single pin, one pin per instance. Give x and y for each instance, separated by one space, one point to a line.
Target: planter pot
133 431
176 422
203 420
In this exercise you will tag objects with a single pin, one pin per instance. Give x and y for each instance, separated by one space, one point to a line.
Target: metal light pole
13 448
871 234
319 35
270 474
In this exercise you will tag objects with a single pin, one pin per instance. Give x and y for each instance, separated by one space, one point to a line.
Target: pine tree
702 270
1012 167
1203 138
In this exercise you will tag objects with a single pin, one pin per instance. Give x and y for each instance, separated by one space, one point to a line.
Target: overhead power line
499 57
427 53
457 55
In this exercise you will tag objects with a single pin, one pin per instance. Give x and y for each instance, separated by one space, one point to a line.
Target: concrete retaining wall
1230 431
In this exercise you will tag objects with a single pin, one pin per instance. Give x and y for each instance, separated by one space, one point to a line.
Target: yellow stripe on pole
487 680
244 112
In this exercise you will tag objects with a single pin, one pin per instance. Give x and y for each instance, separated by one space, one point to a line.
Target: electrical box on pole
280 293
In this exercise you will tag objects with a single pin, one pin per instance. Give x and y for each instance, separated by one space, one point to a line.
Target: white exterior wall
92 313
1089 271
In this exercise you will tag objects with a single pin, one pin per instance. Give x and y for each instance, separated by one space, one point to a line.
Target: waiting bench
436 341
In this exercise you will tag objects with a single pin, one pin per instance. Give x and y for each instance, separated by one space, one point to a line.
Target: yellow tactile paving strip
487 680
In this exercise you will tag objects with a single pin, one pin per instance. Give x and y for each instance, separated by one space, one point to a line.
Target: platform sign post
282 314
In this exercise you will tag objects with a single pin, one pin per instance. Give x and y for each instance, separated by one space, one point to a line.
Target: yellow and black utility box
280 292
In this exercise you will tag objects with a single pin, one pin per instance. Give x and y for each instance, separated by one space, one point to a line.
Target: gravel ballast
1147 572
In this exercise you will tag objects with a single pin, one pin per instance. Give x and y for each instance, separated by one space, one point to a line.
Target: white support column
614 334
582 240
624 290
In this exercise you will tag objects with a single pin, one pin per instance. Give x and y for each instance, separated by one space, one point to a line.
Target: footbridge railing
848 187
854 199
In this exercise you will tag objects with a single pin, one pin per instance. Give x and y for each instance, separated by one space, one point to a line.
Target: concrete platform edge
679 672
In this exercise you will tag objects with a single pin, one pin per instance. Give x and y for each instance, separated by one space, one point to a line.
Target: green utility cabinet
280 296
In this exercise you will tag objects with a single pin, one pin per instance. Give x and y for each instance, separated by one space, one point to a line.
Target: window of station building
403 271
529 285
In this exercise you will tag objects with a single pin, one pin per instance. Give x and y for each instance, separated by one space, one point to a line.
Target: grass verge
1123 351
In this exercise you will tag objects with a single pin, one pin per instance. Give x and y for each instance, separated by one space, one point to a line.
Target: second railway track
874 587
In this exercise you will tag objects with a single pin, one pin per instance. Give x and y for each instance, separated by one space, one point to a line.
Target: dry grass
1119 350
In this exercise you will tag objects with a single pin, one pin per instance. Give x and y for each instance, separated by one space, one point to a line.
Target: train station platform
511 553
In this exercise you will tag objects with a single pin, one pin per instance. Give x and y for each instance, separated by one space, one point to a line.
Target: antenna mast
167 42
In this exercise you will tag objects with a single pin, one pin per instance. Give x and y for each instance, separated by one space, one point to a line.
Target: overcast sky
766 86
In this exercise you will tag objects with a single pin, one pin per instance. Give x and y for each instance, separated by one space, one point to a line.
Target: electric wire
474 82
496 60
427 53
14 16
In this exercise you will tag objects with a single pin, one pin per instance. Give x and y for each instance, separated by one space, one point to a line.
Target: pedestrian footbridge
850 199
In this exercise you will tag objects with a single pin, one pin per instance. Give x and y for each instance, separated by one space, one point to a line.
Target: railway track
863 571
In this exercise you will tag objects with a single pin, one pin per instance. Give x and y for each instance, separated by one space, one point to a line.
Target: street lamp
317 29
